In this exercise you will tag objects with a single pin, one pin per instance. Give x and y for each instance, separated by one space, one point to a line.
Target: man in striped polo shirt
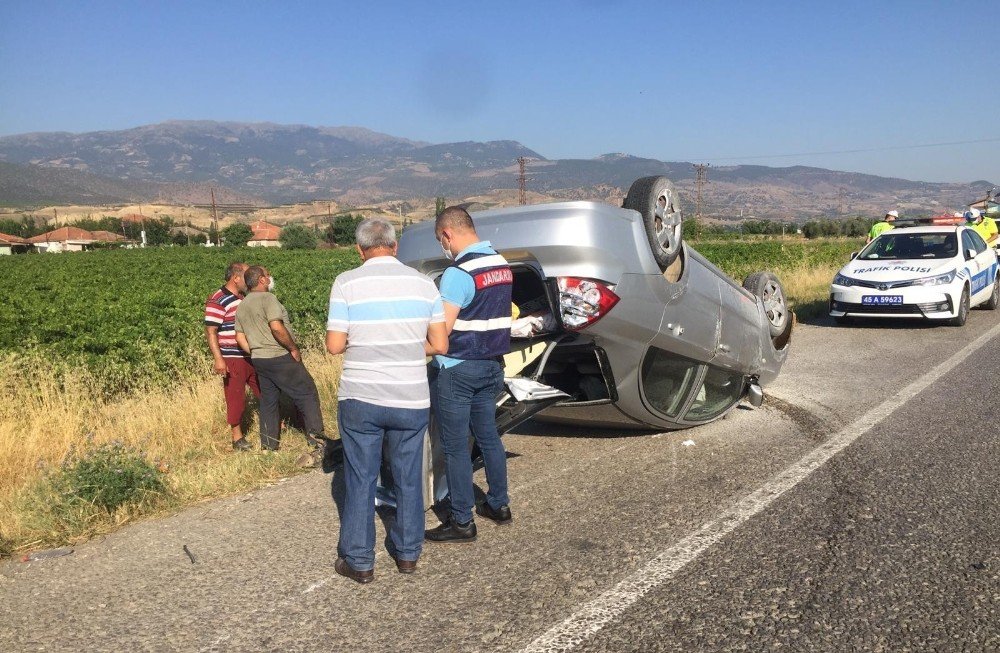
476 290
230 362
386 318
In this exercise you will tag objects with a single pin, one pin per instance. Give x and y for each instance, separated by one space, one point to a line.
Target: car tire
963 309
652 197
994 300
766 287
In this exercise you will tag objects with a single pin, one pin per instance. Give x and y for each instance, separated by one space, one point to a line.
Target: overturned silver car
621 323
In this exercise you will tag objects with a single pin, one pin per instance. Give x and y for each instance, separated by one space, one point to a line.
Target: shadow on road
549 429
891 324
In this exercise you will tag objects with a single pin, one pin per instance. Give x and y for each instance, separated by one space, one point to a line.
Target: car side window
977 241
967 242
719 391
666 379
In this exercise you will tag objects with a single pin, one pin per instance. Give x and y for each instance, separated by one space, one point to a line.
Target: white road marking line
601 611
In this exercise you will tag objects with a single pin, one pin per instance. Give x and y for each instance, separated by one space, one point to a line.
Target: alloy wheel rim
774 304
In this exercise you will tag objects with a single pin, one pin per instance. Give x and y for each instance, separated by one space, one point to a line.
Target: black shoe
242 445
500 515
452 531
347 571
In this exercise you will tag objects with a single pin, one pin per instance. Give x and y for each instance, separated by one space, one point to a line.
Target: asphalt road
857 510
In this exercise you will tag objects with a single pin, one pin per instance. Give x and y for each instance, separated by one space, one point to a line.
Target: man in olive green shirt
263 331
884 225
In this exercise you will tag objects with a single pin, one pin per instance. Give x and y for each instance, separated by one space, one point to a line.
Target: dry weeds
182 429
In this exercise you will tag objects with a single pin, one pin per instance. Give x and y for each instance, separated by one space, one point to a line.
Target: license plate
878 300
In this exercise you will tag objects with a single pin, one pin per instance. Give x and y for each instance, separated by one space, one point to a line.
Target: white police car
934 272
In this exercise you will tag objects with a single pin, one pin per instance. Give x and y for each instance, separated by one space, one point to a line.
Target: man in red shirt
231 362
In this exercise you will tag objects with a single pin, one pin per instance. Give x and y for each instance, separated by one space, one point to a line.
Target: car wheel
963 309
994 300
655 197
768 289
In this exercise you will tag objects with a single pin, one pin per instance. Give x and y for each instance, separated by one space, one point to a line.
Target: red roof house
13 244
63 239
265 234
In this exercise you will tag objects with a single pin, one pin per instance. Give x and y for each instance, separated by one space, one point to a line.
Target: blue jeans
363 426
463 398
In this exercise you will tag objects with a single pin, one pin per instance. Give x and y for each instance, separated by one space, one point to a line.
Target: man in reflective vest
476 289
984 226
884 225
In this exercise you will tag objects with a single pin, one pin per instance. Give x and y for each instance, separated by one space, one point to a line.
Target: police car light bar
943 220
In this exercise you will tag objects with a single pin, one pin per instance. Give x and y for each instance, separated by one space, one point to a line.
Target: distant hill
353 165
34 185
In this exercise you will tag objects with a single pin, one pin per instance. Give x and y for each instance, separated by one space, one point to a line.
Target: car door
982 267
692 319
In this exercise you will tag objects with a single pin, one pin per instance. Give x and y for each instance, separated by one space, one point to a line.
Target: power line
888 148
521 181
701 180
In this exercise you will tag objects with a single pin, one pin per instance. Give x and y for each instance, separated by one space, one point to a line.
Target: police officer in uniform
983 225
884 225
476 289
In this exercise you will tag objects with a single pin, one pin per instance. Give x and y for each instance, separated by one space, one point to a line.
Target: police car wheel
963 309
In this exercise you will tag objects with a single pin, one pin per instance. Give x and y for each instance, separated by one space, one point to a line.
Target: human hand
219 367
296 355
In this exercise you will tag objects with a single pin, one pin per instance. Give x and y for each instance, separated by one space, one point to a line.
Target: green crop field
739 258
134 317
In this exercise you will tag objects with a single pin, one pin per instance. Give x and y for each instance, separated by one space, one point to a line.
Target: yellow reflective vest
987 228
878 228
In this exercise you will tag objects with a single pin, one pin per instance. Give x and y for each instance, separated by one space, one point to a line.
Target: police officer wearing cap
883 226
984 226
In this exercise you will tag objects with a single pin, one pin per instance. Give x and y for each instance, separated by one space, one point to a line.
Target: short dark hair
454 217
252 276
234 268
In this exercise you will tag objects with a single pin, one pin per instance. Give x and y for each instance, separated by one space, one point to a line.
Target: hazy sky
710 81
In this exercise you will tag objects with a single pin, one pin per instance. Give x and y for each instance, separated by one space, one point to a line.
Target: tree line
166 231
855 227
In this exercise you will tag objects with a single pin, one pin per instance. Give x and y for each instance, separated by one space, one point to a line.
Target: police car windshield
896 246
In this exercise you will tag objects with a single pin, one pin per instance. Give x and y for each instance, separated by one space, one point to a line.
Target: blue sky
711 81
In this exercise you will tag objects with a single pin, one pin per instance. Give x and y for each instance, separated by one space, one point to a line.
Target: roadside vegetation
110 412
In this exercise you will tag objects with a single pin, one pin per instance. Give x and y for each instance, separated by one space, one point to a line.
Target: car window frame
689 391
697 385
977 241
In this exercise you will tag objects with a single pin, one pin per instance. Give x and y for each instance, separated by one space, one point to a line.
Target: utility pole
521 181
700 181
215 218
840 197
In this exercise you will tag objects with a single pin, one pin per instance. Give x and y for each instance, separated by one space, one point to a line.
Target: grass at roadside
805 267
48 421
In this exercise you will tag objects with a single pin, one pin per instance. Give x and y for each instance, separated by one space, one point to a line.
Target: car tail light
584 301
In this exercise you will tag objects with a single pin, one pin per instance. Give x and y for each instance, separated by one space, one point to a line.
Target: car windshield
910 246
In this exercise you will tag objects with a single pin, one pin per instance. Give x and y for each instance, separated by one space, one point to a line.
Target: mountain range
179 161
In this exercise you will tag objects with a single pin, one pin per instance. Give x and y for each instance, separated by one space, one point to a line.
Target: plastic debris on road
44 555
688 443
